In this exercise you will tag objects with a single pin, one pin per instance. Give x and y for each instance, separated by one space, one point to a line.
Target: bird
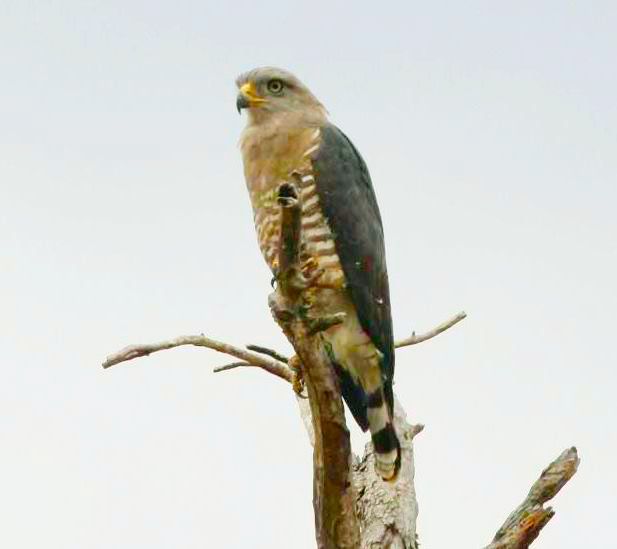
288 135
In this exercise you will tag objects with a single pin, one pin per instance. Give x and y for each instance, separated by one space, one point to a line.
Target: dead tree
354 508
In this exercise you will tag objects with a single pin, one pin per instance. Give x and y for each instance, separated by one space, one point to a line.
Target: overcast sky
490 129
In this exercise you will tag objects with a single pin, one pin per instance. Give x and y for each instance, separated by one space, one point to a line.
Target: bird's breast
270 159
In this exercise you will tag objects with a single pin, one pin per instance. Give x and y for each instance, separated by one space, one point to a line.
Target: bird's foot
311 272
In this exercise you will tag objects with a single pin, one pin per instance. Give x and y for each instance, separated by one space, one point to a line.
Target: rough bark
524 523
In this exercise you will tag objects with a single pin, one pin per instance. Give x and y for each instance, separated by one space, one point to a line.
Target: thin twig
415 339
525 522
231 366
269 352
135 351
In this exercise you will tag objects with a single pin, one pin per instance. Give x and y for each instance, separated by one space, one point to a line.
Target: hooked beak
248 97
242 102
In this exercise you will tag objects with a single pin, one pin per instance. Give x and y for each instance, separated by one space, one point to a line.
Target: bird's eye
275 86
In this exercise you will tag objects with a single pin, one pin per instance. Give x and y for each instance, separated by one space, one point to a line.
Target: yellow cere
249 91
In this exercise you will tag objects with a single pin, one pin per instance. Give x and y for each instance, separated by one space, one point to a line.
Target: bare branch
316 325
415 339
253 359
523 525
231 366
269 352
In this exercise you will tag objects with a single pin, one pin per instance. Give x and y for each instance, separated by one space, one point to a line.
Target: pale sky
490 129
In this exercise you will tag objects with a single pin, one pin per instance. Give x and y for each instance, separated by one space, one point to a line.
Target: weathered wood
523 525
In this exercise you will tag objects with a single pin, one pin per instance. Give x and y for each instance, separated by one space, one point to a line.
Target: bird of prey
288 133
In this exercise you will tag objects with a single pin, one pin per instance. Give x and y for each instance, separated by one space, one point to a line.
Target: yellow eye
275 86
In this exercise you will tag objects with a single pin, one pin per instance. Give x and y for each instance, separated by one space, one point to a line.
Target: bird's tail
372 411
385 442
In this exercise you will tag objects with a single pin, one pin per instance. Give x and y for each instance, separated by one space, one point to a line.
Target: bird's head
268 91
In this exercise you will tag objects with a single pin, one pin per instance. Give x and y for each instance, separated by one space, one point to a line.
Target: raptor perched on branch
288 139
